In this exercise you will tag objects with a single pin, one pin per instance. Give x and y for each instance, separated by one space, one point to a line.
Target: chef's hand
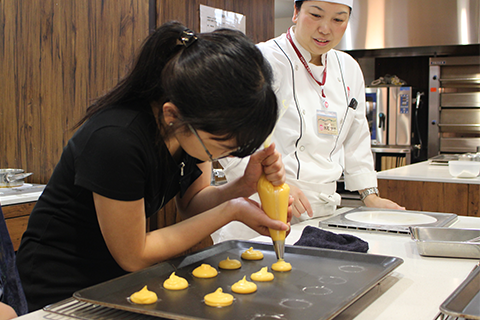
300 202
268 161
374 201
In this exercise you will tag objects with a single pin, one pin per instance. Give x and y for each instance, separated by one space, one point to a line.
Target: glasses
237 152
199 139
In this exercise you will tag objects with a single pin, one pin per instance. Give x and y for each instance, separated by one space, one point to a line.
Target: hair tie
187 38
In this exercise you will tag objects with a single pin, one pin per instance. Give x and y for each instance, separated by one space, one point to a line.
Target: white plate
390 218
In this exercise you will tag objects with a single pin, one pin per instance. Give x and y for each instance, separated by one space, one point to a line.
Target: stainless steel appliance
389 115
454 105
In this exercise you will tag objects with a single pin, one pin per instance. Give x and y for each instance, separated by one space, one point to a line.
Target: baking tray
442 159
446 242
321 284
464 302
378 220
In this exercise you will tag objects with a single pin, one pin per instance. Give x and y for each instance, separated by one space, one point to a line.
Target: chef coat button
304 112
296 67
302 148
339 80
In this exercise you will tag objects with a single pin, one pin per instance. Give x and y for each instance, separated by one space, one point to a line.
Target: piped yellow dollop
281 266
175 282
229 264
144 296
244 287
262 275
251 254
218 299
205 271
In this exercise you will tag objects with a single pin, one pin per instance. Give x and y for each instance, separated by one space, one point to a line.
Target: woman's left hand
374 201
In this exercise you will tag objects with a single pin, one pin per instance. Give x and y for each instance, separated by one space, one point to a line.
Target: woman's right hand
267 161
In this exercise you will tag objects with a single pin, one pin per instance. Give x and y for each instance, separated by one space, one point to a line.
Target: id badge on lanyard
326 122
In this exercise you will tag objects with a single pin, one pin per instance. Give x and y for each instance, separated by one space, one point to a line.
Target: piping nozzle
279 246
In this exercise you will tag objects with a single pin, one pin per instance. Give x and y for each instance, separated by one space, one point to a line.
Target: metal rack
442 316
72 308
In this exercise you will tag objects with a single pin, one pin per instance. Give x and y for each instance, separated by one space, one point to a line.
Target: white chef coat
315 161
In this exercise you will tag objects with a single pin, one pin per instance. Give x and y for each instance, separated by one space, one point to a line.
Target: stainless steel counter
26 193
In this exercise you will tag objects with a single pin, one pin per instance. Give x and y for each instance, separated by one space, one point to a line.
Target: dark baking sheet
321 284
465 300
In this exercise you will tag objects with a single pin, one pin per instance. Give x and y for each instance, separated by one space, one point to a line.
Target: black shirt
114 154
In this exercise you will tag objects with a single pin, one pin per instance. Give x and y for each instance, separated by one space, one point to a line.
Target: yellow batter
262 275
218 299
274 201
251 254
205 271
229 264
281 265
175 283
243 286
144 296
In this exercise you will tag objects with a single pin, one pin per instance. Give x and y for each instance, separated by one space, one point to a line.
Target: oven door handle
381 122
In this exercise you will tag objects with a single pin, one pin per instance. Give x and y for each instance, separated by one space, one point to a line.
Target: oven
454 105
389 114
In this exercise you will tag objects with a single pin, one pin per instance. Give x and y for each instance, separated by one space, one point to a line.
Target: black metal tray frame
321 284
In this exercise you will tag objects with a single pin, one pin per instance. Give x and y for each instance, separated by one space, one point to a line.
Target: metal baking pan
464 302
321 284
387 220
446 242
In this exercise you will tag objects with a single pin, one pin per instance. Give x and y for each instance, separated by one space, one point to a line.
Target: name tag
327 122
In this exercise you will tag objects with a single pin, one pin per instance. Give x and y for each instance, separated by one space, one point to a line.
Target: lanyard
305 64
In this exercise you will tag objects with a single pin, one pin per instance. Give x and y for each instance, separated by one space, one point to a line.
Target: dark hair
220 84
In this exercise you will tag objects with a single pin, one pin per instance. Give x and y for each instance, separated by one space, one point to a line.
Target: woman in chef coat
150 139
324 131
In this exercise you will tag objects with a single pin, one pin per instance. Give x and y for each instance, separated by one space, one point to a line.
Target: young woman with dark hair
188 100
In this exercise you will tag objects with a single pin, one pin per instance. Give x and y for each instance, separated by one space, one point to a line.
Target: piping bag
274 201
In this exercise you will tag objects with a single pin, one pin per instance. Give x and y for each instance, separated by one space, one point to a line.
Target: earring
171 124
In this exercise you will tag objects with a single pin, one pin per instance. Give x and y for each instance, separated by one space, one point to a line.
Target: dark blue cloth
315 237
11 291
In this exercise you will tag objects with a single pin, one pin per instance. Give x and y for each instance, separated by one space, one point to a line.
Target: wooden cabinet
462 199
16 218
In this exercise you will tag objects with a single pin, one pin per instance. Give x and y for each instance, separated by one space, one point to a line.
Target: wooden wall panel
55 57
260 14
